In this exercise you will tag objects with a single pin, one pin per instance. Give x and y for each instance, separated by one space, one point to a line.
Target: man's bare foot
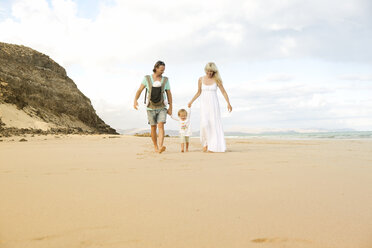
205 148
156 149
187 150
162 149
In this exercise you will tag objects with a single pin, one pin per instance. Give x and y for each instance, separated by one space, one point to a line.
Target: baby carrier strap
149 83
163 84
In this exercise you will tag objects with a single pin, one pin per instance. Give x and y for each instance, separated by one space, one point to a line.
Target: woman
211 131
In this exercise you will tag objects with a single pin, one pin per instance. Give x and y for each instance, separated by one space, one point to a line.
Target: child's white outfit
185 127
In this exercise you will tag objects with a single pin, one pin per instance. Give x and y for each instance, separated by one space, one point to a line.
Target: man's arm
138 93
170 101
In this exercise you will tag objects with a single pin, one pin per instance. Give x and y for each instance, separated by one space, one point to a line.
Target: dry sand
13 117
97 191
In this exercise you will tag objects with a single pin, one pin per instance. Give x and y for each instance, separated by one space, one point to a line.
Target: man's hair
157 65
182 111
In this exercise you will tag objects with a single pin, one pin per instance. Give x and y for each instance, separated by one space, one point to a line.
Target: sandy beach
114 192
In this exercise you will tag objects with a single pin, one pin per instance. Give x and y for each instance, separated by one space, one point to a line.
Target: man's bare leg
161 137
187 146
154 137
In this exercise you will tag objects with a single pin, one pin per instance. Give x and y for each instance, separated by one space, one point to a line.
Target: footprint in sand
140 155
46 237
69 232
279 240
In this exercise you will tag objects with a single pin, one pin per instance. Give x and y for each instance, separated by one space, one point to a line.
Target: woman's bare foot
162 149
182 151
205 148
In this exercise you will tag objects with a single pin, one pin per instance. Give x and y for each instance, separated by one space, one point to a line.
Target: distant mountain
37 96
134 131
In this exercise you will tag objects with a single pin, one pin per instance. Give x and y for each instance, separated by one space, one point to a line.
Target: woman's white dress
211 131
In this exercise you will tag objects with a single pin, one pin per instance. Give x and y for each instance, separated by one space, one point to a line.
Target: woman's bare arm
224 93
197 93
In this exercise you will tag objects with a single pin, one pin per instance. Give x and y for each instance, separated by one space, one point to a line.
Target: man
157 111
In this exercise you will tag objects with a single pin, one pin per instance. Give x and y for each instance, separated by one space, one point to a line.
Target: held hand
189 105
135 105
229 108
169 111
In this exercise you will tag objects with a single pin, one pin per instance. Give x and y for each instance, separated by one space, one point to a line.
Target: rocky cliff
37 96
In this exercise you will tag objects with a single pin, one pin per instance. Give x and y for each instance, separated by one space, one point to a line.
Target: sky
286 65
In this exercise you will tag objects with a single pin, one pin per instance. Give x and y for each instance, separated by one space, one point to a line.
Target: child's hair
182 111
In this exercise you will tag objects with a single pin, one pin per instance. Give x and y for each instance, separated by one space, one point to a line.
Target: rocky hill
37 96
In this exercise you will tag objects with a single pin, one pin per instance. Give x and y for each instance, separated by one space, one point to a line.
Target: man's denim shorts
157 115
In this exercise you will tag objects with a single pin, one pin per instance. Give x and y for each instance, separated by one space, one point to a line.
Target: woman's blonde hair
211 66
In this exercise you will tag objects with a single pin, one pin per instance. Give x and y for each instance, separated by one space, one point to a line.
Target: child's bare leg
182 147
187 146
154 137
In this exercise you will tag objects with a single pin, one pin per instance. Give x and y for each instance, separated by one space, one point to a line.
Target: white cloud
356 77
2 11
280 78
133 31
108 56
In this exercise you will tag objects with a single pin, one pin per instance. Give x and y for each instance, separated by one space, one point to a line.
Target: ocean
295 135
352 135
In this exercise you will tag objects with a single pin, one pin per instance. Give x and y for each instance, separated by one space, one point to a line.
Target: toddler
185 127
